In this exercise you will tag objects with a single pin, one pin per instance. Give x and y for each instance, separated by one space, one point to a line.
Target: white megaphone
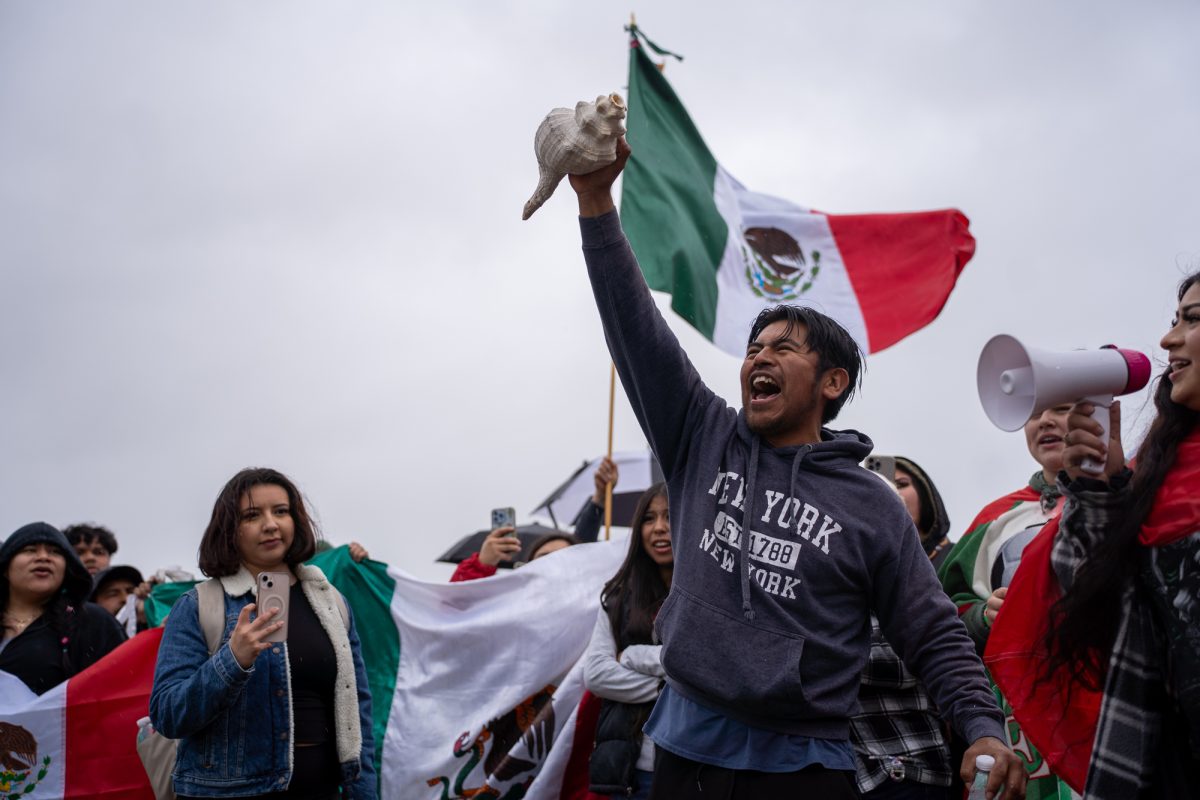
1015 382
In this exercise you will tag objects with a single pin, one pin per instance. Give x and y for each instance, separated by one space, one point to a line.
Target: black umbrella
638 471
469 545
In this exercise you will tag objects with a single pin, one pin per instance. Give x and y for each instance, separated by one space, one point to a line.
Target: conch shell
575 143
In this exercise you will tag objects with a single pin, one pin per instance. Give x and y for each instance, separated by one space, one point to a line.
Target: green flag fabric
724 252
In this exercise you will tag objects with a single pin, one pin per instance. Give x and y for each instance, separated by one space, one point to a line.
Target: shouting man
783 548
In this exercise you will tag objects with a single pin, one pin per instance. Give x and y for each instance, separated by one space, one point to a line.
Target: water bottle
983 768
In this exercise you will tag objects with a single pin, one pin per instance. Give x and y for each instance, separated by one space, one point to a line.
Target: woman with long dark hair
256 718
622 663
50 630
1128 559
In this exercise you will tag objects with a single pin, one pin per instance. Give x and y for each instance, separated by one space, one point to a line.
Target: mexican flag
78 739
476 686
724 252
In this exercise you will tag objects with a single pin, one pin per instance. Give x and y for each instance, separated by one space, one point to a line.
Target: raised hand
248 638
606 473
595 188
499 546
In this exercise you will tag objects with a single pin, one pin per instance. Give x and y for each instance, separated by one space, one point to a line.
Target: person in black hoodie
51 632
783 548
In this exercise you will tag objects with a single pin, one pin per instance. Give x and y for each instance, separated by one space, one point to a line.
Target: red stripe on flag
104 703
575 780
902 267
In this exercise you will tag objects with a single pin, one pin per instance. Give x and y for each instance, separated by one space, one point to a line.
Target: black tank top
313 672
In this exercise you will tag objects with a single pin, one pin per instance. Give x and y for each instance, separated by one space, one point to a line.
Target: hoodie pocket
735 662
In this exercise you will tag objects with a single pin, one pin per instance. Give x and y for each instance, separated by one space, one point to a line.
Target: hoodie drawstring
751 474
743 568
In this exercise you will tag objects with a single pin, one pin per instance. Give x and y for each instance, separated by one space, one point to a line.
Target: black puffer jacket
618 744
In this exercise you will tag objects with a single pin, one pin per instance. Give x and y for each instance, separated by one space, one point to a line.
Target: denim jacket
234 726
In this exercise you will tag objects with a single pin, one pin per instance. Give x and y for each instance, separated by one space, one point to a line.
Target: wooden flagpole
612 390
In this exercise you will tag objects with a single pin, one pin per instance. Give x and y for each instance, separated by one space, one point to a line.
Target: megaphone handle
1102 402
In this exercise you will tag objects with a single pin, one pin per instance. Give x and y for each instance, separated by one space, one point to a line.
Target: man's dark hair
218 549
88 533
825 337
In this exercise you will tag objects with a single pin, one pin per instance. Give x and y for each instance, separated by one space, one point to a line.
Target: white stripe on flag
737 303
41 720
478 654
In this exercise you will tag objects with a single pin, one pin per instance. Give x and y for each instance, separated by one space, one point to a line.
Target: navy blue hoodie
781 554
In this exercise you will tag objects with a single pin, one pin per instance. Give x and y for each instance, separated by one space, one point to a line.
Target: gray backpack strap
340 602
212 612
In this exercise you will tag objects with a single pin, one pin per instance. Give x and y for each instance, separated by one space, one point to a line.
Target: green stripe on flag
368 589
162 598
667 206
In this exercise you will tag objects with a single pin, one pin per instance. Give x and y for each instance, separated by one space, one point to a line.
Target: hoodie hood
931 502
77 582
837 449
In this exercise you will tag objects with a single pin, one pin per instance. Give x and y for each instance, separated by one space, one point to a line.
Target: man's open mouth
763 387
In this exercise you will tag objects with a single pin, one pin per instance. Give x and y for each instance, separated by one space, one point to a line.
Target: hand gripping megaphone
1015 382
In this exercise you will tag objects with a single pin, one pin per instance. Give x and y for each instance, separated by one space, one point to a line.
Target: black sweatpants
678 778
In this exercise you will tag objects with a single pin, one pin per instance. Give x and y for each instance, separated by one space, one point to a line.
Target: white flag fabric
475 687
489 677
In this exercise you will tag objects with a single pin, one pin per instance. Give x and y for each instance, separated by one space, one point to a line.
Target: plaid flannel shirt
897 733
1128 732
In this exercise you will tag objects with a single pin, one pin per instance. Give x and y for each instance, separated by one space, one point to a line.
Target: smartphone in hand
885 466
505 518
274 591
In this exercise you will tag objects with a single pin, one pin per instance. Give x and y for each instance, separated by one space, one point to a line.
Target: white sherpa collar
322 597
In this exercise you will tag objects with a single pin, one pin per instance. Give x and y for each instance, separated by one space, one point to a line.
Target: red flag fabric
1058 715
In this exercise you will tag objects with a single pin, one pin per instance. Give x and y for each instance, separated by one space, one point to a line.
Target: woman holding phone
289 718
622 664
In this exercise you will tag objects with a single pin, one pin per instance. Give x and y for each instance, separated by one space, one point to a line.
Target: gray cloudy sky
289 234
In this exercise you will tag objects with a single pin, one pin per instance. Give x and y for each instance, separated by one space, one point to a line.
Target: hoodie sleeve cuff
982 725
602 231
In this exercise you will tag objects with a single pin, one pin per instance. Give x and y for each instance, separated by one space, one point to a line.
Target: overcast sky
289 234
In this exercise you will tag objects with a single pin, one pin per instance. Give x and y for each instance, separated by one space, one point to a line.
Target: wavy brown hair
1083 623
218 548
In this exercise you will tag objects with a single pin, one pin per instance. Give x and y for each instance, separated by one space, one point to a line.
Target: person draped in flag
783 546
981 565
622 665
979 568
281 720
1127 556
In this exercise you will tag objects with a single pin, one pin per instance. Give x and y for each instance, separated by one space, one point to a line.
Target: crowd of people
784 623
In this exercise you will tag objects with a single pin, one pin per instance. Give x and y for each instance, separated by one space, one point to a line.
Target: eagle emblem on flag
18 757
531 723
776 266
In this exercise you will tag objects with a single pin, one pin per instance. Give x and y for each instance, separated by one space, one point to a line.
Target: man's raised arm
663 387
